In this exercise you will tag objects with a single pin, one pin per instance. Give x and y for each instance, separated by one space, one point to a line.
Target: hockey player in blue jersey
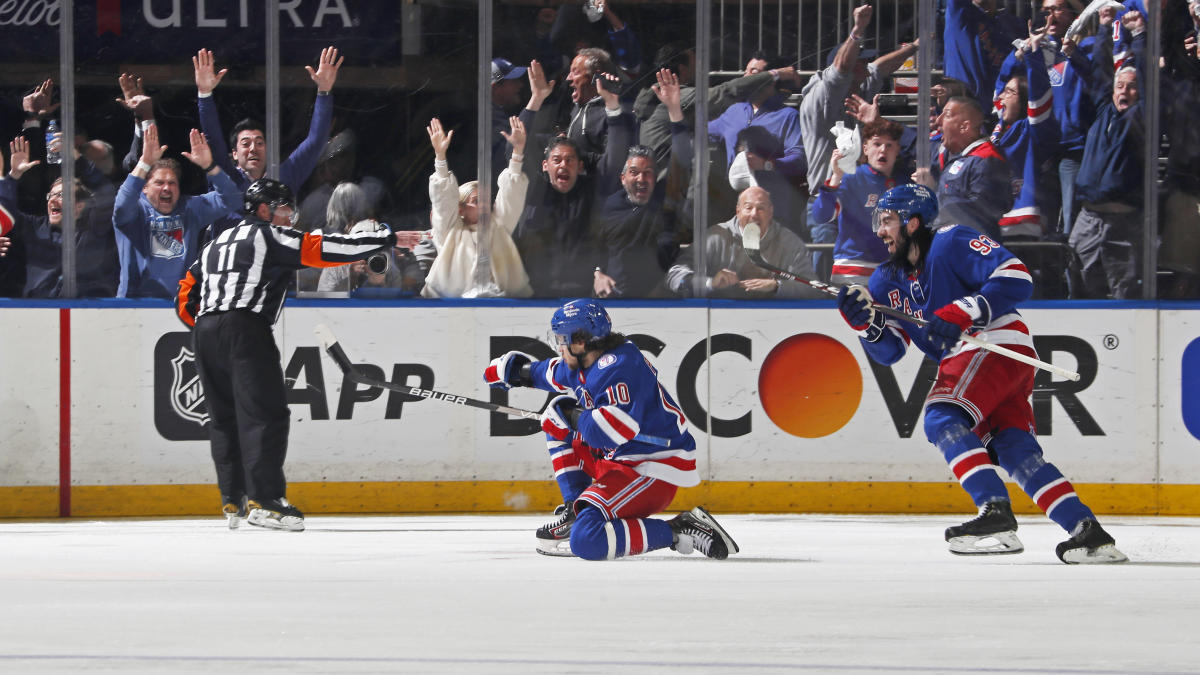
978 412
618 442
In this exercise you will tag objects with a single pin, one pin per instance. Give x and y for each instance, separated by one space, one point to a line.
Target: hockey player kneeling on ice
618 442
231 297
978 412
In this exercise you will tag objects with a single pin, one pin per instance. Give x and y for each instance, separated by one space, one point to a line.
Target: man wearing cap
823 105
506 101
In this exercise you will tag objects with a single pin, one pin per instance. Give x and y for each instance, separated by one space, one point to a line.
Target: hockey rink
455 594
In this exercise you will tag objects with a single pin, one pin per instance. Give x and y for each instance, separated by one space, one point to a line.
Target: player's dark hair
899 266
248 124
922 239
607 343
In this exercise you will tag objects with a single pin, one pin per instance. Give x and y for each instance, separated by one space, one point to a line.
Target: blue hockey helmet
581 319
907 201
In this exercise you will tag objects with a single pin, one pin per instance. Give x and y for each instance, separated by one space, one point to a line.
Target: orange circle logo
810 385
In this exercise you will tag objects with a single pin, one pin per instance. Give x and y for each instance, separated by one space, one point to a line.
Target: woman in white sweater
455 219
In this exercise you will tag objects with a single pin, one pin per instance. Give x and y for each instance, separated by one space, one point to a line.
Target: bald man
729 272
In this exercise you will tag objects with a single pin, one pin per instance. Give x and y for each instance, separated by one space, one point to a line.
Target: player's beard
904 245
900 251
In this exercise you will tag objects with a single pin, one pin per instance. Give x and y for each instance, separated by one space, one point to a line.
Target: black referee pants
239 368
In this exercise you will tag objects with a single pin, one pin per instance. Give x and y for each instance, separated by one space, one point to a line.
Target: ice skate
1089 544
235 511
697 530
275 514
554 538
992 532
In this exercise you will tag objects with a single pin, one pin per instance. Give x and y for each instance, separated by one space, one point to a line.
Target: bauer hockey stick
751 237
330 343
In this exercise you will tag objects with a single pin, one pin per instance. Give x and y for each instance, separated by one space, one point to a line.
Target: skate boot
1089 544
697 530
993 531
554 538
275 514
235 511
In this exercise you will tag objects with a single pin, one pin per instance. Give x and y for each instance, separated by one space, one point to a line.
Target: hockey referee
231 297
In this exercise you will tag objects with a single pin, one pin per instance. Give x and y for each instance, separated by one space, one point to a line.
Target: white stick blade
325 335
751 236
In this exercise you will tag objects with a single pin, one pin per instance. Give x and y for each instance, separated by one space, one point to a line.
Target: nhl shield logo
180 410
187 396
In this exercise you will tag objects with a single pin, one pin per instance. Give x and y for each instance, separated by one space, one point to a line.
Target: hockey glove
508 371
949 322
561 417
854 302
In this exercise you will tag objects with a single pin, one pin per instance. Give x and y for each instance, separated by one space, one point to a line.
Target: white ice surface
453 594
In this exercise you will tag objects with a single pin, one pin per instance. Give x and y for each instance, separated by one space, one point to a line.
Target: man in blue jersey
619 444
978 412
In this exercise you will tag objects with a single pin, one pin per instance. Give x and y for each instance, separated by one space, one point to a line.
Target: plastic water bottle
52 156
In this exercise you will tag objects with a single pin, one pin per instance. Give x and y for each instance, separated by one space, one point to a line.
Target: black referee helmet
270 192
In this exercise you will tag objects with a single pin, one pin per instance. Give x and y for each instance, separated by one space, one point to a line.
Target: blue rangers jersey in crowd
1028 144
961 262
858 250
1071 81
974 188
976 44
622 398
1122 38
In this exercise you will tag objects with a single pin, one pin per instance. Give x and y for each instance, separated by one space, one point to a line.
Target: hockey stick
330 342
751 238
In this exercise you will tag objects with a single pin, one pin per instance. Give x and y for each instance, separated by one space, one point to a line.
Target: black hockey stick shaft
335 351
330 342
756 257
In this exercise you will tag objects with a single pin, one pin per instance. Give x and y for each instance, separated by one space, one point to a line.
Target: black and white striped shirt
248 266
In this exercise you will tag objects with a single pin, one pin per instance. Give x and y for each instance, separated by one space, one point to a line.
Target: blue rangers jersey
1028 144
622 397
858 250
961 263
976 44
1072 81
974 188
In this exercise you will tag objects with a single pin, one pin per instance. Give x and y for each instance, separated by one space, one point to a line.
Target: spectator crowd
1038 140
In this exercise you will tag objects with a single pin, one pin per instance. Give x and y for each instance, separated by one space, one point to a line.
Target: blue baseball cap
503 69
